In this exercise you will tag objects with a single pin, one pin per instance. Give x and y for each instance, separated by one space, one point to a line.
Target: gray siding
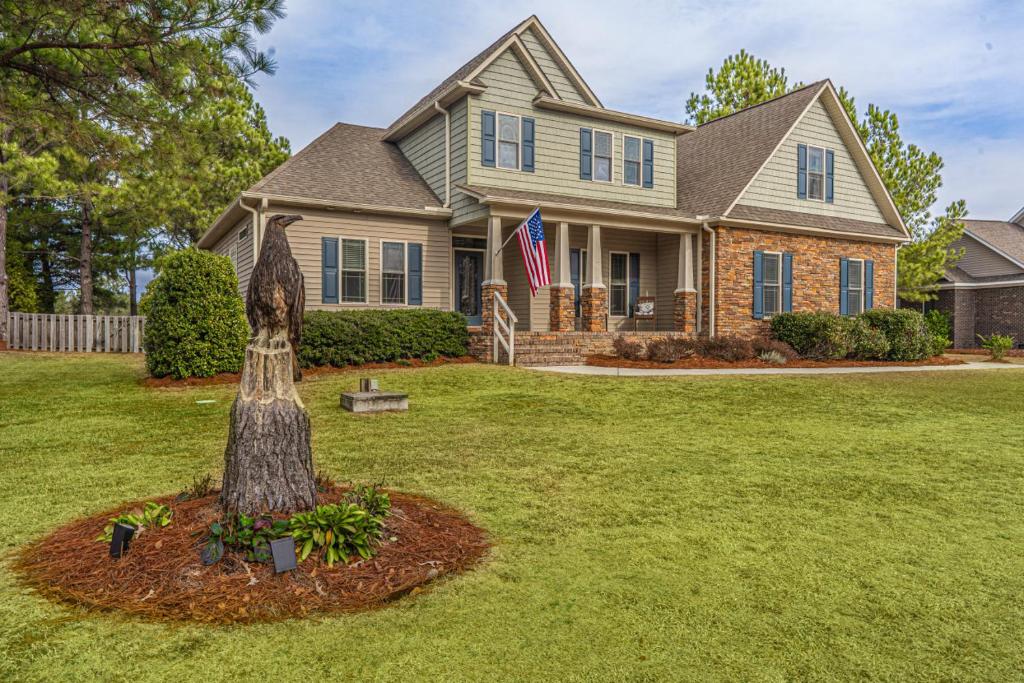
555 74
464 208
980 261
243 252
424 148
511 90
668 267
775 186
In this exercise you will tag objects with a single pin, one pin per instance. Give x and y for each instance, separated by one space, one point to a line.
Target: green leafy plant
940 327
336 532
201 486
772 357
242 533
904 329
152 516
996 344
195 319
342 338
370 497
866 342
817 334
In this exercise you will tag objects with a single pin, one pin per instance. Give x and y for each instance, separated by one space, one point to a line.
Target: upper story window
602 156
815 173
507 141
631 160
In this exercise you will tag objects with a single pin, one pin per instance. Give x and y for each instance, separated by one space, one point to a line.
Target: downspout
711 279
255 221
447 153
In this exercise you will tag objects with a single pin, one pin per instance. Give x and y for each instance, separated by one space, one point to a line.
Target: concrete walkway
673 372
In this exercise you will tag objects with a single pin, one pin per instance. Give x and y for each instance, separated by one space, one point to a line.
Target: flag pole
509 239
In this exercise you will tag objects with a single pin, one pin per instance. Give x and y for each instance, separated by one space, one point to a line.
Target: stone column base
684 311
487 305
594 309
563 309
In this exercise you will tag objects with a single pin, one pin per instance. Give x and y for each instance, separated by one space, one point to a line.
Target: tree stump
268 462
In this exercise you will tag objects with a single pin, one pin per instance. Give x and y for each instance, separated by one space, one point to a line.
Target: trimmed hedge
195 318
878 334
341 338
817 334
905 331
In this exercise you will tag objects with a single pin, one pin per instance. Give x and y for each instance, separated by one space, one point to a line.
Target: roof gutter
426 212
447 153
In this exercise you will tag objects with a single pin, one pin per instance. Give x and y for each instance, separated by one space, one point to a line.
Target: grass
772 528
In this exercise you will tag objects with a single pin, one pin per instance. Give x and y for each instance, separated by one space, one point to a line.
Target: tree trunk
47 297
268 462
133 305
4 293
85 260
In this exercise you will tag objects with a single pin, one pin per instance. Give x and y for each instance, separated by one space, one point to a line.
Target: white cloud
951 69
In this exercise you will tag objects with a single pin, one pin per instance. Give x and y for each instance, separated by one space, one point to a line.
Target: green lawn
775 528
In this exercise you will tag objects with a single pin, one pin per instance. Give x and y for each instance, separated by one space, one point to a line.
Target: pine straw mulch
161 577
235 378
701 362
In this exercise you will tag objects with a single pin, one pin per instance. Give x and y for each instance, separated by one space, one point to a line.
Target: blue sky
952 70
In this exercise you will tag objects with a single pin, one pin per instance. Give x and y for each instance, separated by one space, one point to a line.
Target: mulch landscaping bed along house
162 578
701 362
1012 353
235 378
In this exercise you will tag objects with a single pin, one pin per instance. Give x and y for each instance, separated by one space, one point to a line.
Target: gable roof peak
1018 217
816 85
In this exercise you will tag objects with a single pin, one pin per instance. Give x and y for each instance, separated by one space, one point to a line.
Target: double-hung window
602 156
631 160
508 141
392 272
618 292
771 292
353 271
816 173
855 287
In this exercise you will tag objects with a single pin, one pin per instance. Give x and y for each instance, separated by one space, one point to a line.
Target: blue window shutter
648 163
487 142
634 281
529 128
830 164
415 256
586 150
869 284
574 275
329 270
801 171
787 283
758 285
844 286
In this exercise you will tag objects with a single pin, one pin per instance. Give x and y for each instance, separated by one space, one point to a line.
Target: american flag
535 255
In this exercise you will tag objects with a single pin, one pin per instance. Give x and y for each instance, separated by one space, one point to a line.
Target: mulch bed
1012 353
162 578
700 362
234 377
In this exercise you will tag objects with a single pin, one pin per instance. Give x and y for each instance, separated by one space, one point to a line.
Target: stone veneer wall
815 274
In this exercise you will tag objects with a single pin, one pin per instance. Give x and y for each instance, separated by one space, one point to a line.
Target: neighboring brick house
777 207
984 293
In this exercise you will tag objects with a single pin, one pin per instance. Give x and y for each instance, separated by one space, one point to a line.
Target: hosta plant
244 534
337 532
152 516
370 497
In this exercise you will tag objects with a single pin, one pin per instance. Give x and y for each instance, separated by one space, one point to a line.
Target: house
777 207
984 292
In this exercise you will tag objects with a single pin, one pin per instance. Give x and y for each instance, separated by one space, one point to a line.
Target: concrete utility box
370 399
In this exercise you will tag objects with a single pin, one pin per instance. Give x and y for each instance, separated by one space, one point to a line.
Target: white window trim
405 279
824 172
862 287
640 163
233 254
341 270
593 156
497 141
629 267
765 315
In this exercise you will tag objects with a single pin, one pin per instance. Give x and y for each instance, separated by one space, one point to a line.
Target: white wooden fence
75 333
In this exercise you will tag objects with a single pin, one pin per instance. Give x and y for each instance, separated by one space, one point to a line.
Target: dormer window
508 141
815 173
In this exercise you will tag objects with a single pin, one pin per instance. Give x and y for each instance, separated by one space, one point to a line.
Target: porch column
562 309
594 297
494 275
684 299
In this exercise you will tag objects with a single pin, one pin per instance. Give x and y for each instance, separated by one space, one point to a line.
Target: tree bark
47 297
4 294
268 462
85 260
133 305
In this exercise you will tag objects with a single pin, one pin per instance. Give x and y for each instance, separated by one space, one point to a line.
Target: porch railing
504 333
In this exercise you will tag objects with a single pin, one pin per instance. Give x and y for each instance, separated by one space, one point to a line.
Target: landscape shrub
996 344
940 329
904 329
669 349
630 349
195 318
817 334
772 357
764 345
727 348
341 338
866 342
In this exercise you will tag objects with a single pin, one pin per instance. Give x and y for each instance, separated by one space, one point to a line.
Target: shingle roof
1005 236
350 164
717 161
811 220
960 276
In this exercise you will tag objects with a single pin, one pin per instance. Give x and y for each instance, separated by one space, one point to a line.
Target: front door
469 276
